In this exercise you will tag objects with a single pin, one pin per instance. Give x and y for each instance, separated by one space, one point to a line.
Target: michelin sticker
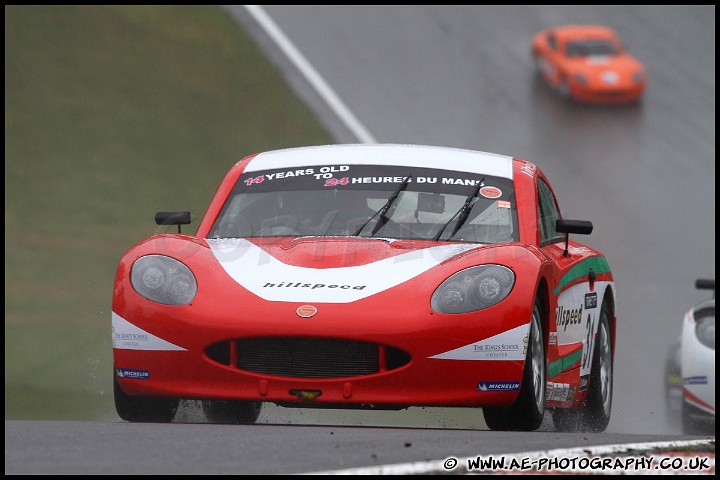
498 386
132 373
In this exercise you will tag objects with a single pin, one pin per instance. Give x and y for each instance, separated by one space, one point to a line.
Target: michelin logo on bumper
498 386
132 373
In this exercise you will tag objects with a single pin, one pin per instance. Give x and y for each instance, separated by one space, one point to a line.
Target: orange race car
589 64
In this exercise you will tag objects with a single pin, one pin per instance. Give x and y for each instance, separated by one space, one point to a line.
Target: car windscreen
586 48
370 201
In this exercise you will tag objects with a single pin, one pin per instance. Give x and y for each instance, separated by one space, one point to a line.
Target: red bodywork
400 318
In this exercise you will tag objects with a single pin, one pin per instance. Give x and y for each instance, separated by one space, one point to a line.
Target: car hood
323 269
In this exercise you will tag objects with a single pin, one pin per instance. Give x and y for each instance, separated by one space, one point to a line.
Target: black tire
674 387
599 403
236 412
564 89
689 426
537 63
696 422
595 415
143 409
527 413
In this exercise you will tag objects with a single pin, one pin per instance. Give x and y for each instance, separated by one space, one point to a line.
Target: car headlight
163 280
473 289
705 331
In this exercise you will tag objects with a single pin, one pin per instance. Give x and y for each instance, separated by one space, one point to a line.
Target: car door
575 301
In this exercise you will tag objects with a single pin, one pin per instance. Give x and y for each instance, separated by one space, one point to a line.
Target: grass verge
111 114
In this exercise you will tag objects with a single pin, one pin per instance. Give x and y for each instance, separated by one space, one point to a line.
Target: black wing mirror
172 218
581 227
705 284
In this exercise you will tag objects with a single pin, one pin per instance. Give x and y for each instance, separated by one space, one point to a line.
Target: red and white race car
369 277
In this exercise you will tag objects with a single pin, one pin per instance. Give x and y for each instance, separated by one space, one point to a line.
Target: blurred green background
111 114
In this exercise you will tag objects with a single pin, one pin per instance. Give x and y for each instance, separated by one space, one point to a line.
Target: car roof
566 32
385 154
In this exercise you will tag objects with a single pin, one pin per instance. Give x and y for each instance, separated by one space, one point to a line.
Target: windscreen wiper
463 213
384 209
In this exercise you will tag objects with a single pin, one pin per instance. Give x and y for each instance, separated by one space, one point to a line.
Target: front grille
301 357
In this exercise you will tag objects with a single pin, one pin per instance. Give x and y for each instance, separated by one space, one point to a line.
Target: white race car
690 369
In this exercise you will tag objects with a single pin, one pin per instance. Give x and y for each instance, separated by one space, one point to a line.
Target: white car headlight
163 280
473 289
705 331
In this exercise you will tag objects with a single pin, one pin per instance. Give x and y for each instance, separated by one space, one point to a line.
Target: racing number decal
579 297
258 179
591 305
589 343
331 182
576 320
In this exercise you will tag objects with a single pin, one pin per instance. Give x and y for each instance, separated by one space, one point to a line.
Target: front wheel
143 409
537 62
696 422
595 415
527 413
564 89
673 387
